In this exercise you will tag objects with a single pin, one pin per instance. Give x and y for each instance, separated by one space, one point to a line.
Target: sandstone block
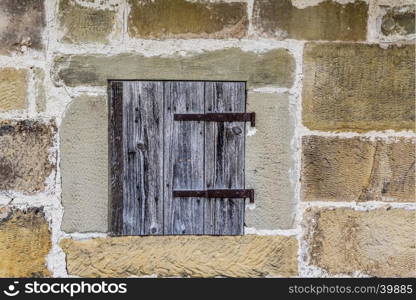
24 155
357 169
269 162
84 165
13 89
378 242
272 68
25 241
187 19
85 24
358 87
193 256
327 20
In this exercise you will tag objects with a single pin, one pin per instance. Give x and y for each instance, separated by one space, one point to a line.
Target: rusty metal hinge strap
218 117
245 193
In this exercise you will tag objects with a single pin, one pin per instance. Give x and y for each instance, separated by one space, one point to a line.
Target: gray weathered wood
143 159
224 158
116 157
183 158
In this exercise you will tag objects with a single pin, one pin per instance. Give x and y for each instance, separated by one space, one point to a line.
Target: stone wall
332 157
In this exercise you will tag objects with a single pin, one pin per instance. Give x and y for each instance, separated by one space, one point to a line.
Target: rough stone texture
25 241
24 155
194 256
13 89
39 75
21 24
84 165
85 24
358 87
269 162
357 169
275 67
377 242
326 21
399 20
187 19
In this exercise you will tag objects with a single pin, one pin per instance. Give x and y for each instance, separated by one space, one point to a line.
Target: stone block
379 242
272 68
25 241
269 162
183 256
358 87
327 20
163 19
358 169
26 155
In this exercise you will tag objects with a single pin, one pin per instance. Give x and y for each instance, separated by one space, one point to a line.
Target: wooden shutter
153 154
137 161
224 158
184 158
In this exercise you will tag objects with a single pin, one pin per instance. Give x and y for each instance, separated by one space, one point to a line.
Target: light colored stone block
84 165
13 89
269 161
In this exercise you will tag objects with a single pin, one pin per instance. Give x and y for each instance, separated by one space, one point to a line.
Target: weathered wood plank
224 158
143 159
116 157
183 158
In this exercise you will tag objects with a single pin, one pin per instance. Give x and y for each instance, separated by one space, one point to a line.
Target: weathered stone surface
377 242
358 87
399 20
194 256
84 165
21 24
24 155
25 241
13 89
187 19
357 169
328 20
269 162
85 24
39 75
272 68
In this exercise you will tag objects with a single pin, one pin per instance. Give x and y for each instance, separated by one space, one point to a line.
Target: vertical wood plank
143 159
183 158
224 158
116 157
